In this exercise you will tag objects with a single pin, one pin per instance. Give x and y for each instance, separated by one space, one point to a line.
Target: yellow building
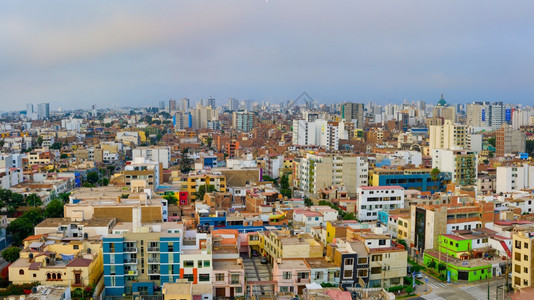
192 183
281 244
522 264
75 263
404 226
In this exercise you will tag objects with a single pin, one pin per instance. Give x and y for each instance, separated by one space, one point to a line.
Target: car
419 275
264 260
255 253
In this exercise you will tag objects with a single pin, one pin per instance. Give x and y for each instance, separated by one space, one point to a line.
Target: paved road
456 291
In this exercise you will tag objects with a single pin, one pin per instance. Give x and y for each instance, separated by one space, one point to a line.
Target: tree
11 254
63 156
33 200
434 174
22 227
308 202
185 162
284 187
530 147
209 142
349 216
442 267
56 145
54 209
171 199
40 141
432 264
203 189
92 177
491 141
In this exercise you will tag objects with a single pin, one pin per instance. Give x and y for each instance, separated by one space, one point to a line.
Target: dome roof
442 101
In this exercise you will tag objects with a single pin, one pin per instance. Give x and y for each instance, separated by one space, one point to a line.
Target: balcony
130 250
153 272
153 260
130 261
131 272
153 249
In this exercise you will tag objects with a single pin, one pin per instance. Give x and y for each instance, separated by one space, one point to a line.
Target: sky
73 54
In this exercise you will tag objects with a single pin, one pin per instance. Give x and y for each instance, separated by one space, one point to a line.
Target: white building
514 178
372 199
161 154
447 136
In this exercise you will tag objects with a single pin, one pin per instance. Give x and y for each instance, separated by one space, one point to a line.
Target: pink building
291 275
228 278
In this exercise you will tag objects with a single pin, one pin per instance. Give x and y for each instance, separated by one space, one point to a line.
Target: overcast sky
77 53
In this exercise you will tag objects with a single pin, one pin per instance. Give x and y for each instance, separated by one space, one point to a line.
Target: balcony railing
153 249
153 272
130 261
130 249
153 260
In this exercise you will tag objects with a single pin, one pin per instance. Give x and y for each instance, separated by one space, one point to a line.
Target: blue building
140 259
414 179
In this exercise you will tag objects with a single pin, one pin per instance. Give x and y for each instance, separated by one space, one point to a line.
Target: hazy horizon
138 53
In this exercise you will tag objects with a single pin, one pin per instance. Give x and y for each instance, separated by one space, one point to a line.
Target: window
238 290
381 242
376 257
189 277
347 274
526 245
75 247
170 247
234 279
286 275
525 257
318 275
111 247
21 272
362 260
376 270
362 273
207 264
204 277
219 277
199 264
189 263
349 261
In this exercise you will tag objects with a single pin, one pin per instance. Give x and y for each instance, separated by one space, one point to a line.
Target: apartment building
318 171
462 164
141 169
419 179
158 154
522 258
450 135
138 257
286 244
509 140
372 199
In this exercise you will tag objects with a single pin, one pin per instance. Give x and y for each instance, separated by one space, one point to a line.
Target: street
470 291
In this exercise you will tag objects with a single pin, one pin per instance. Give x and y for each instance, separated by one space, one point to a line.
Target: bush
395 289
409 290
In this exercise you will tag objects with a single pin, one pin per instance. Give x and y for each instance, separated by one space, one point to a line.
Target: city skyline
134 53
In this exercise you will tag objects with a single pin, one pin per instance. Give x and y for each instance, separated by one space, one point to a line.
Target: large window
286 275
347 274
189 277
234 279
219 277
349 261
189 264
204 277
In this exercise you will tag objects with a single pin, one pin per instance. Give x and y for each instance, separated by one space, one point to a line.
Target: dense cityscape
240 199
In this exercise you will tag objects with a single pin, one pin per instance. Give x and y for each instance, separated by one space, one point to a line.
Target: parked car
419 275
264 260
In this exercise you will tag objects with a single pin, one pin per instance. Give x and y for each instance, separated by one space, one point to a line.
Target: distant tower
172 105
29 109
211 102
43 111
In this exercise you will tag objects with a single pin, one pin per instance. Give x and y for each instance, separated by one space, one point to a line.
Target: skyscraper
172 105
353 111
184 104
43 110
211 102
29 109
243 120
233 104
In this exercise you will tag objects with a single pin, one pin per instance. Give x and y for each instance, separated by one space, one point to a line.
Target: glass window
219 277
189 263
204 277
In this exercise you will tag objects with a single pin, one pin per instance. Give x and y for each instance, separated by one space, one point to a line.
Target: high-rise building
162 105
514 178
29 109
211 102
182 120
486 115
233 104
172 105
201 115
462 164
184 104
353 111
447 136
522 257
509 140
317 172
444 111
43 110
243 120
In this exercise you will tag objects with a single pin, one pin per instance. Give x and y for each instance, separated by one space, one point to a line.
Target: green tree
54 209
33 200
11 254
349 216
209 142
491 141
284 187
434 174
432 264
40 141
185 162
203 189
442 267
56 146
92 177
171 199
530 148
22 227
63 156
64 197
308 202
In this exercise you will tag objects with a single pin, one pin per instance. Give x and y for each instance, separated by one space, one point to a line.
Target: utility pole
487 279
